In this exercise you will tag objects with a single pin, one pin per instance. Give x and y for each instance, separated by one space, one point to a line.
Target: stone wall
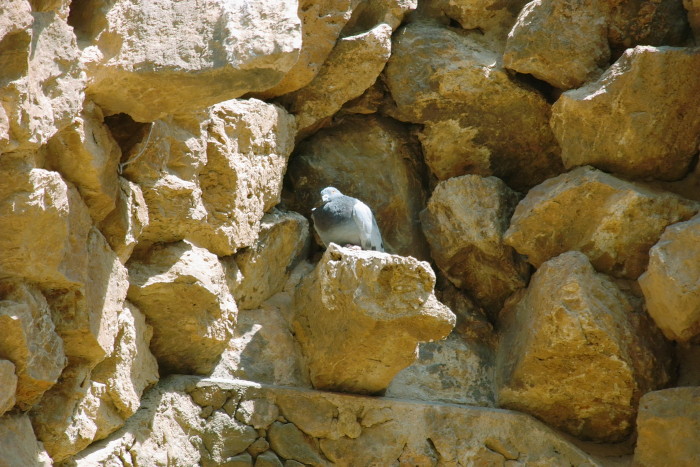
533 169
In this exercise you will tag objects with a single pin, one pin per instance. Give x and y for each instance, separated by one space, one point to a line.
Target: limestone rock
41 78
248 146
646 22
123 226
184 56
262 349
464 223
563 43
289 442
87 155
669 427
652 124
224 437
268 459
86 317
688 357
455 84
29 341
45 228
575 352
453 370
182 290
370 158
612 221
209 177
351 68
486 15
265 266
258 413
8 385
693 7
671 284
383 305
321 24
18 445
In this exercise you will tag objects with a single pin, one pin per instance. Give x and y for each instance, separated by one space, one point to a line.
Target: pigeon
346 221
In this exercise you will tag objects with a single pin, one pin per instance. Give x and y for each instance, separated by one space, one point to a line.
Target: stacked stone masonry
533 169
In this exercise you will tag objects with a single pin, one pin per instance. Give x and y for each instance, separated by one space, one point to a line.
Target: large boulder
669 427
477 118
577 352
87 155
370 158
671 284
646 102
29 341
612 221
263 269
561 42
45 228
464 222
41 78
210 176
381 306
183 291
183 56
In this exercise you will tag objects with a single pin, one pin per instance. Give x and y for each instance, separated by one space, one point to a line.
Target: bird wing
370 237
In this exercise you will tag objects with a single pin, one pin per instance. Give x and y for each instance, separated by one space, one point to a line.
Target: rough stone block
182 290
612 221
8 386
18 445
382 305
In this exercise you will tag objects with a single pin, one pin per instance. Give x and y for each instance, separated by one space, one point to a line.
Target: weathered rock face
87 155
668 418
651 124
464 223
42 81
29 341
372 159
487 15
18 445
384 306
647 22
8 385
321 428
45 228
561 42
671 284
612 221
184 56
455 84
264 267
182 290
572 322
693 7
209 177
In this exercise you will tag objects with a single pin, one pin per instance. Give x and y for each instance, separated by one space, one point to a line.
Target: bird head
329 193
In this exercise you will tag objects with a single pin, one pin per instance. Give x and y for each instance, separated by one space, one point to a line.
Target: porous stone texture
455 84
322 22
45 228
183 291
18 445
464 223
325 428
86 317
8 385
123 226
370 158
564 43
264 268
209 177
671 283
29 341
646 22
669 427
652 125
383 305
569 323
184 56
87 155
351 68
41 79
612 221
489 16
